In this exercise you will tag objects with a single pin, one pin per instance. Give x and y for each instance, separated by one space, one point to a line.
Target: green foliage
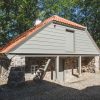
87 12
16 16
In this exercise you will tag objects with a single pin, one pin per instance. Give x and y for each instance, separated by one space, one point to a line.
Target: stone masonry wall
7 64
88 64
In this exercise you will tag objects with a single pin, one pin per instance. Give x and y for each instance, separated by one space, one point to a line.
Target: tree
87 12
16 16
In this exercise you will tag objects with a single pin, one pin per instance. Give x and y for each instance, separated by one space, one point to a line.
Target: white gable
54 39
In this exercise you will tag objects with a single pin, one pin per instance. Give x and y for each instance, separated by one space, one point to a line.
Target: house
67 44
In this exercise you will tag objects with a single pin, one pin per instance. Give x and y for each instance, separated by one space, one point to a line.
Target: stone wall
88 64
6 65
71 63
17 61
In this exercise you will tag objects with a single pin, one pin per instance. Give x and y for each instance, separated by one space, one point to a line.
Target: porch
60 68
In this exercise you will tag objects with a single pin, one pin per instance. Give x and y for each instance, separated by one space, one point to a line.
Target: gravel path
87 87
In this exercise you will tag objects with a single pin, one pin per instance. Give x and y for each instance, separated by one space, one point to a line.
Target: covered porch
59 68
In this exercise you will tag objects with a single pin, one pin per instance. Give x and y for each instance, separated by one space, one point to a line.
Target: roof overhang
53 55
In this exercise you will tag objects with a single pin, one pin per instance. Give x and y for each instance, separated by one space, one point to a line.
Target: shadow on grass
45 90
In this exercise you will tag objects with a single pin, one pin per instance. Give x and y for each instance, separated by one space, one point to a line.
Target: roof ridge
68 21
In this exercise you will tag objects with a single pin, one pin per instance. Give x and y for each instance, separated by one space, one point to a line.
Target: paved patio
83 88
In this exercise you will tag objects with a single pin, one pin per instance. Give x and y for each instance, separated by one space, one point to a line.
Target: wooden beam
47 64
55 55
57 67
45 68
97 64
80 64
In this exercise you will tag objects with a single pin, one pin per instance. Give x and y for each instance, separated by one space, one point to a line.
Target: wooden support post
57 67
80 64
97 62
2 69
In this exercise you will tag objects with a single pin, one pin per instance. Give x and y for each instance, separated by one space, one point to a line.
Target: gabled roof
31 31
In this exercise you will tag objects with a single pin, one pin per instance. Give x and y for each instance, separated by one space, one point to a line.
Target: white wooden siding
69 41
56 40
83 43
